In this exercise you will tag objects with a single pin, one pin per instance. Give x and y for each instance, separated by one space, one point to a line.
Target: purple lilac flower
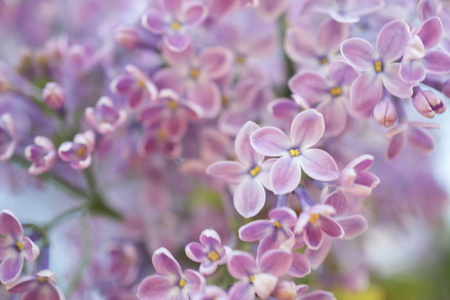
78 152
385 113
42 155
170 282
258 276
379 69
105 117
212 292
288 290
37 287
174 21
155 141
428 103
210 252
251 173
419 58
295 153
14 247
53 95
356 180
8 137
123 262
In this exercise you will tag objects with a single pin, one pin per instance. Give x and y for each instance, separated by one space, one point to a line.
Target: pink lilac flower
171 113
105 118
174 21
428 103
210 252
259 275
37 287
124 262
250 174
8 137
356 180
78 152
170 282
158 140
135 85
378 67
295 153
427 9
14 247
419 56
385 113
288 290
53 95
42 155
330 95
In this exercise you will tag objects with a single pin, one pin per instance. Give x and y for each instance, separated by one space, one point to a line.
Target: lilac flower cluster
242 121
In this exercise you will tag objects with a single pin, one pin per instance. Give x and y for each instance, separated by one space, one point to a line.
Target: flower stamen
213 256
182 282
194 73
277 224
294 152
378 65
313 218
255 171
252 278
19 246
336 91
175 26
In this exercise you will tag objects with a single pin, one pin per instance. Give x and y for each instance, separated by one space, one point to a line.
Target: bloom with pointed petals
259 275
78 152
8 137
209 252
39 286
378 66
174 22
171 282
251 174
14 247
355 178
42 155
295 153
105 117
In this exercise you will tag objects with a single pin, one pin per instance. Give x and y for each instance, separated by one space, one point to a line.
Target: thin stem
289 64
281 201
304 198
62 216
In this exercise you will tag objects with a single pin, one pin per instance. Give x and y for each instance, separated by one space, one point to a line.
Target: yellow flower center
255 171
213 256
172 104
81 151
141 83
19 246
175 25
294 152
194 73
240 60
252 278
182 282
277 224
336 91
378 65
323 61
225 100
42 279
161 135
313 218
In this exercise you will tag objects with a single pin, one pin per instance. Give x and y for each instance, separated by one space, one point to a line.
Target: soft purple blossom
8 137
14 247
105 118
124 262
53 95
385 113
356 180
428 103
79 152
288 290
209 252
37 287
295 152
170 282
42 155
156 141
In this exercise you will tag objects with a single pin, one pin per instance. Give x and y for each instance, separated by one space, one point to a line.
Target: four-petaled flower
42 155
39 286
105 117
78 152
356 180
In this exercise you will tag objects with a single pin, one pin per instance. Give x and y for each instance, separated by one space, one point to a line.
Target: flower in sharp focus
105 117
37 287
14 247
8 137
209 252
171 282
78 152
295 152
42 155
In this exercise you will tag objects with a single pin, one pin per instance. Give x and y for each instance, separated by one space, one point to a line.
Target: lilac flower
296 153
42 155
78 152
419 58
257 276
270 11
123 262
210 253
170 282
127 37
39 286
385 113
53 95
378 67
14 247
211 292
159 141
251 174
174 21
8 137
135 85
288 290
105 117
331 95
428 103
356 180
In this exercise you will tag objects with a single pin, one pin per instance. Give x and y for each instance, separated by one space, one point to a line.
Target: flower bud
285 290
428 104
53 95
385 113
127 37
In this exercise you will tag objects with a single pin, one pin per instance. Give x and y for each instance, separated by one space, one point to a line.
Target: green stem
62 216
289 64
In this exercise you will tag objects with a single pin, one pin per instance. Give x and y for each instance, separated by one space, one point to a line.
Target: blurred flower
42 155
78 152
39 286
105 117
8 137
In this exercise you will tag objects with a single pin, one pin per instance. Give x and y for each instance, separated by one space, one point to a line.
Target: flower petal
394 84
353 226
358 53
270 141
249 197
284 215
276 262
285 175
10 225
194 14
165 263
300 266
412 71
365 92
206 95
318 256
313 236
230 171
243 148
242 290
241 264
339 201
421 140
195 282
310 86
319 165
395 146
153 20
216 61
431 32
255 230
264 284
10 268
155 287
437 62
330 227
307 128
392 40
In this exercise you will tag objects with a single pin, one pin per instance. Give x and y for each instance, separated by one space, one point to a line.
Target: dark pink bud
428 104
53 95
127 37
385 113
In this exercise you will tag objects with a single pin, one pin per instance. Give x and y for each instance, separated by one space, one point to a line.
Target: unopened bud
285 290
385 113
53 95
428 104
127 37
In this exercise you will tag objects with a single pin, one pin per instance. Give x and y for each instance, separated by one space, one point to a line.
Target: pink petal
173 6
300 266
366 92
194 14
165 263
269 10
335 116
243 148
431 32
300 44
313 236
261 45
319 165
10 225
396 145
341 73
31 250
310 86
249 197
177 41
307 128
330 227
286 216
207 96
216 61
331 34
392 40
195 282
23 284
241 265
230 171
155 287
339 201
169 79
10 268
179 58
242 290
270 141
283 108
319 295
412 71
255 230
359 53
285 175
264 284
318 256
276 262
153 20
353 226
437 62
421 140
394 84
195 252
